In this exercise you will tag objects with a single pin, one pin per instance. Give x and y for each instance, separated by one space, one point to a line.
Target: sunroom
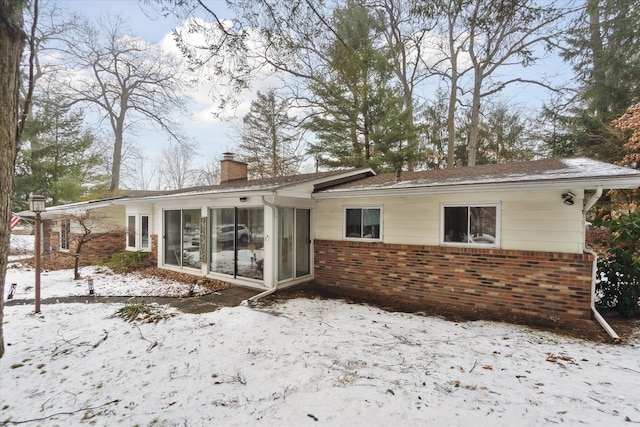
256 233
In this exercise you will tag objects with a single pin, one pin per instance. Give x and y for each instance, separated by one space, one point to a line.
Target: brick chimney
231 169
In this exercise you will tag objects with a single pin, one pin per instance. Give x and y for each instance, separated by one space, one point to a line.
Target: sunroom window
237 242
363 223
476 225
182 238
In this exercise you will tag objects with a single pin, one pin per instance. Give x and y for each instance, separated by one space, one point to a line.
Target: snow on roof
577 171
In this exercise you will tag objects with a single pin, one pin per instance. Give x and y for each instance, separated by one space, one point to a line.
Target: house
504 238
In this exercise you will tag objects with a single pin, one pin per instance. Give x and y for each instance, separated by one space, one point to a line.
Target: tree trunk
12 40
451 121
475 119
117 155
596 49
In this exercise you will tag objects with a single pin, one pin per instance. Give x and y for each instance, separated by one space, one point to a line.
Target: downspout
594 270
251 301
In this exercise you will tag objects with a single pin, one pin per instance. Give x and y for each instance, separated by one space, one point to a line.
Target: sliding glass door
237 242
294 243
182 237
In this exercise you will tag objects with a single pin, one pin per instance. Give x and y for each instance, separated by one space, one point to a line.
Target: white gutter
255 298
415 188
594 270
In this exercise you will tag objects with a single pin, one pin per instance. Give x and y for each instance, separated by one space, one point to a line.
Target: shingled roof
576 173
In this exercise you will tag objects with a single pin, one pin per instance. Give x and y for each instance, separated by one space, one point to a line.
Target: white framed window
470 224
65 231
138 233
363 223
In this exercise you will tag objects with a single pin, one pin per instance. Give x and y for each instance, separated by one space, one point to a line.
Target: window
237 242
476 225
138 232
182 238
65 230
363 223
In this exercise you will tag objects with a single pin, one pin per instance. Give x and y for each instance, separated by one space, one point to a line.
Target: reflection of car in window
225 233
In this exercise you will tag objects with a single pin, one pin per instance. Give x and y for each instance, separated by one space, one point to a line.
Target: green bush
618 281
126 262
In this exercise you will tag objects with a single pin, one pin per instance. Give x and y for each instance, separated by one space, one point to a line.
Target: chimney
231 169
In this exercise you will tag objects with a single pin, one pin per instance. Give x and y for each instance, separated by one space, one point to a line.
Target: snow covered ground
303 362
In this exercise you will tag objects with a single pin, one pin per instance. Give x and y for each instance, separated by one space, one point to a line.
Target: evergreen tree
270 142
57 160
604 50
360 119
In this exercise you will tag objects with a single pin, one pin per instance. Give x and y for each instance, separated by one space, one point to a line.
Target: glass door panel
172 244
222 240
285 243
303 242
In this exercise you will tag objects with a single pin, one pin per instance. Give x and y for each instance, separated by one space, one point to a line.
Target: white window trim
138 233
497 205
362 239
68 239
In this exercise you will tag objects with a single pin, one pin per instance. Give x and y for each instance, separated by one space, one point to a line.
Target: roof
319 180
576 173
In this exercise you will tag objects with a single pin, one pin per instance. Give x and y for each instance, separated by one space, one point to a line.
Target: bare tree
126 80
210 173
176 166
92 225
140 172
481 38
503 33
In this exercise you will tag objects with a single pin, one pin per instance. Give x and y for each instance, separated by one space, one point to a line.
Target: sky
214 136
296 362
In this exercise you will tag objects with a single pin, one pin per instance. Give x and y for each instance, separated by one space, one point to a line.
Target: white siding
532 221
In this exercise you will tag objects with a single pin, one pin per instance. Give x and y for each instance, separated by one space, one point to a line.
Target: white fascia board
200 195
308 186
541 185
80 208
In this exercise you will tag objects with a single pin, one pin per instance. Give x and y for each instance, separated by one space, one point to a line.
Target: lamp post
37 205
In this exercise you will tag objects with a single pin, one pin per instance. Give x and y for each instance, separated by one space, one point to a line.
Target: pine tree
57 160
270 142
360 119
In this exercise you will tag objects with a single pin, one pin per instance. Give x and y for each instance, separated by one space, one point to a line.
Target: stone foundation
492 282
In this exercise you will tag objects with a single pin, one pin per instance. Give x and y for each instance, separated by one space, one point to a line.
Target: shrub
126 262
618 281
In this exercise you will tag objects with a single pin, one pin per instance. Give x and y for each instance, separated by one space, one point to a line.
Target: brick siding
100 245
491 283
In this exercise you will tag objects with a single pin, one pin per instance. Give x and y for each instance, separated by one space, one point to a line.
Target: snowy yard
301 362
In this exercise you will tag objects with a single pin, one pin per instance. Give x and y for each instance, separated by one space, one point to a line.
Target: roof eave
536 185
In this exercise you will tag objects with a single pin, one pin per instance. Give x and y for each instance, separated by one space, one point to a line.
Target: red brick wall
232 170
489 282
153 256
100 245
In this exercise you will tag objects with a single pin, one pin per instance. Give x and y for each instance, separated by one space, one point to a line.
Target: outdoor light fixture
568 198
243 199
37 204
12 290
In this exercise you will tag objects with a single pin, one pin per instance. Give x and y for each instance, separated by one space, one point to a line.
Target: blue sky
214 136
